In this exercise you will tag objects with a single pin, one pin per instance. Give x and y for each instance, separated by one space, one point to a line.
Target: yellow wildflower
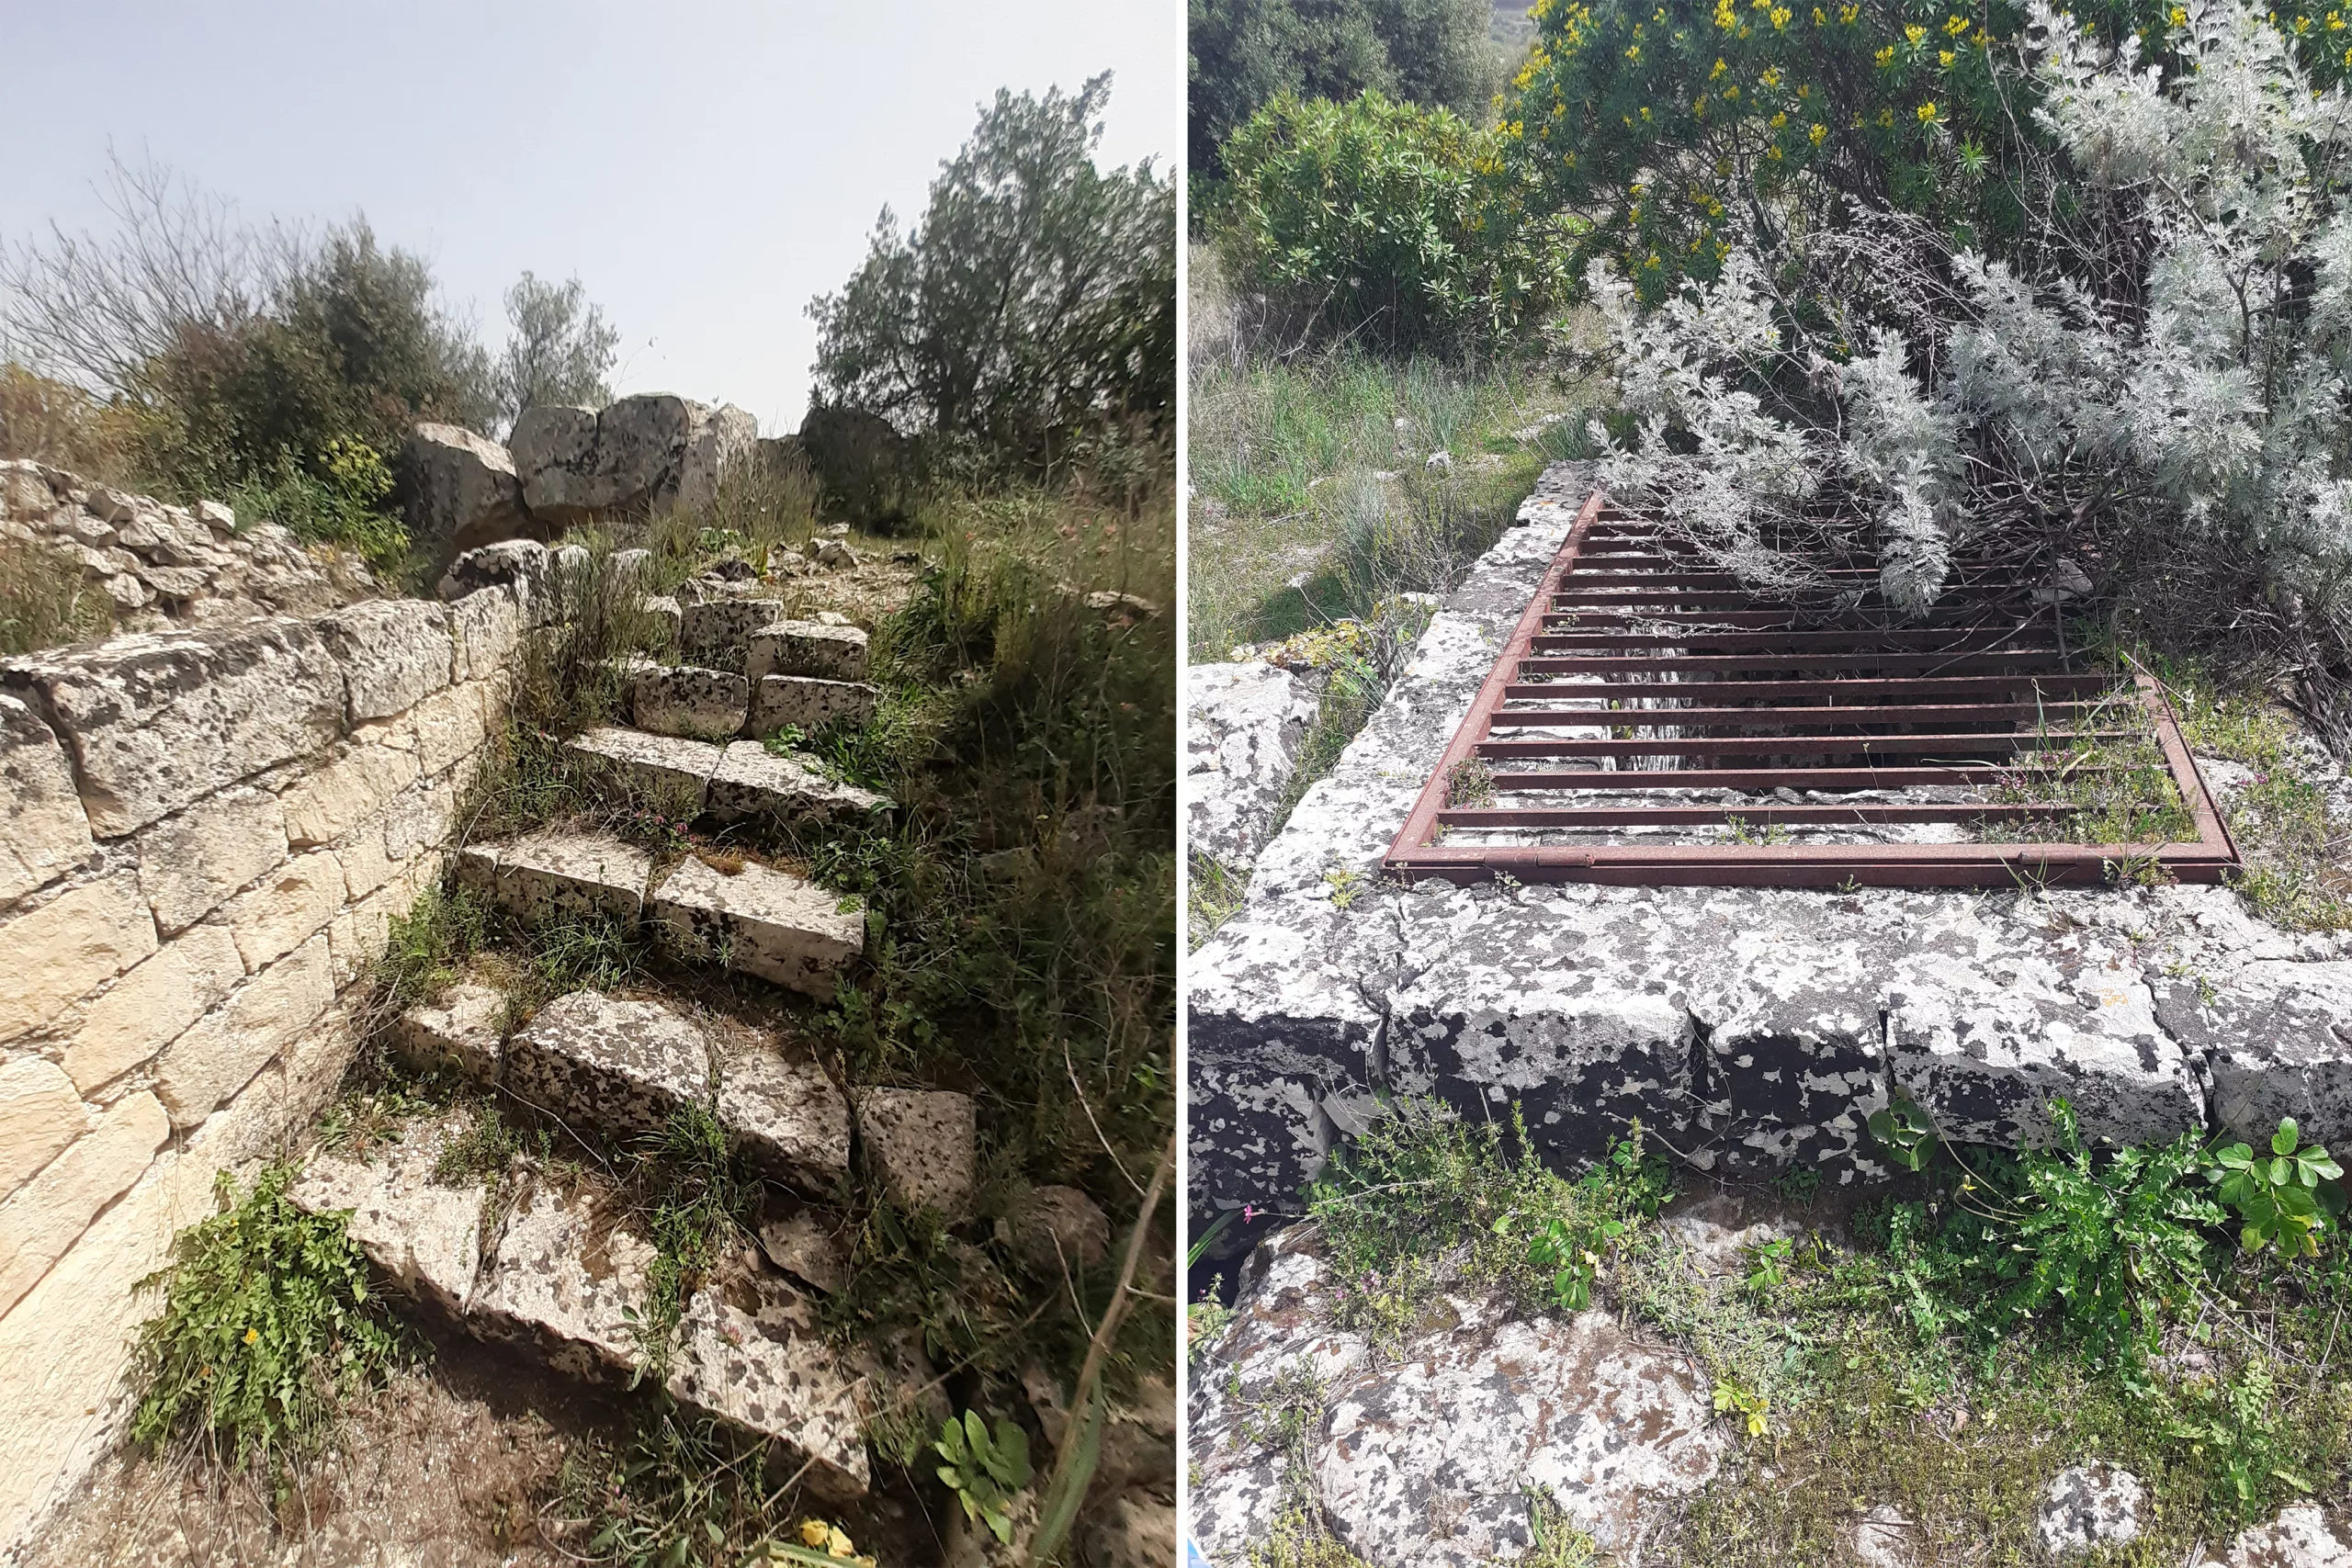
1848 12
1719 70
1928 113
1956 26
252 1335
1818 133
1944 58
1915 32
1885 57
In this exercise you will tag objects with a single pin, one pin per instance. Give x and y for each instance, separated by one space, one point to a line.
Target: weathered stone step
732 782
804 647
691 700
567 1274
810 702
749 918
624 1067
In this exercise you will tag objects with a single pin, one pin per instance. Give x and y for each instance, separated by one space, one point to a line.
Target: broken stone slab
45 833
665 768
801 1244
1060 1227
2278 1043
922 1144
717 632
557 874
422 1233
571 1280
780 1109
806 648
751 780
395 653
690 701
524 567
760 920
1244 726
457 492
463 1031
158 721
809 704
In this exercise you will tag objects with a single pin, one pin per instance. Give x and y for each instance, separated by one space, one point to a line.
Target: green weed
46 600
696 1200
984 1469
268 1326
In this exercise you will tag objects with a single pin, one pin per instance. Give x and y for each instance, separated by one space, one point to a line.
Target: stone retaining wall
204 835
1748 1029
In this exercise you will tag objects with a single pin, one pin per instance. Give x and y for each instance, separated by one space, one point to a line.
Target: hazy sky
704 168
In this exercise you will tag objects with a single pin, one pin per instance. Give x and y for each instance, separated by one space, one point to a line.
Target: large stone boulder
457 491
860 462
642 454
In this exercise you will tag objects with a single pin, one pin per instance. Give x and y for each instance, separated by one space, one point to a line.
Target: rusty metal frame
1955 675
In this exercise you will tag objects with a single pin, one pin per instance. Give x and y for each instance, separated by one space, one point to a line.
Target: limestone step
734 782
804 647
563 1270
622 1067
717 632
760 920
691 700
553 874
747 917
810 702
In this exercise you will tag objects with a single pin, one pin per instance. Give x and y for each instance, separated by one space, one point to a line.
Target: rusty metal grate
1652 722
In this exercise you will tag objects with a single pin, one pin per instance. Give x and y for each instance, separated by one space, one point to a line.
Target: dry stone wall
204 836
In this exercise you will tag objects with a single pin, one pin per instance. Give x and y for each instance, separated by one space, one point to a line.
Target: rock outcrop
641 453
457 491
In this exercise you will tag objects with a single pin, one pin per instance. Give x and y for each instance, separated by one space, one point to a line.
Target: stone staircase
550 1255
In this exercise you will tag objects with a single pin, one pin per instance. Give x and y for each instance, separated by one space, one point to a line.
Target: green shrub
341 502
268 1326
1402 225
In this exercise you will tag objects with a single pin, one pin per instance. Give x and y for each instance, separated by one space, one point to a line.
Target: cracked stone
421 1231
668 768
760 920
752 781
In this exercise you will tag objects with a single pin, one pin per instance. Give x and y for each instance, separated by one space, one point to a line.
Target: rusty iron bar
1852 672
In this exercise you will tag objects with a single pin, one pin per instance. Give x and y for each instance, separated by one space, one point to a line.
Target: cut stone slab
617 1067
395 653
464 1031
806 648
2278 1044
571 1271
457 490
717 632
668 618
666 768
524 567
760 922
923 1143
157 721
809 704
424 1235
752 781
801 1246
45 833
553 874
691 701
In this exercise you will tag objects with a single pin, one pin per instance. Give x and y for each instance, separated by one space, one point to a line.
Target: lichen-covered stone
457 490
806 648
689 700
2301 1537
717 632
801 1244
2087 1506
1244 726
158 721
809 704
524 568
2278 1043
450 727
419 1231
44 833
325 803
780 1109
669 769
760 922
752 781
553 874
620 1067
667 618
394 652
923 1143
567 1273
750 1352
485 630
463 1031
642 453
1060 1227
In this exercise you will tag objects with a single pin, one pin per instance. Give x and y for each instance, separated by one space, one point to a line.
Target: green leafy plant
268 1326
984 1470
1905 1132
1753 1409
2234 1425
2280 1197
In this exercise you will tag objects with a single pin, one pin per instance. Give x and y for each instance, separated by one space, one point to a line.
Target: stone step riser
743 781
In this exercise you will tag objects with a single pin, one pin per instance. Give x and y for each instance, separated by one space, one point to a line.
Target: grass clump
2296 873
696 1200
267 1326
46 600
